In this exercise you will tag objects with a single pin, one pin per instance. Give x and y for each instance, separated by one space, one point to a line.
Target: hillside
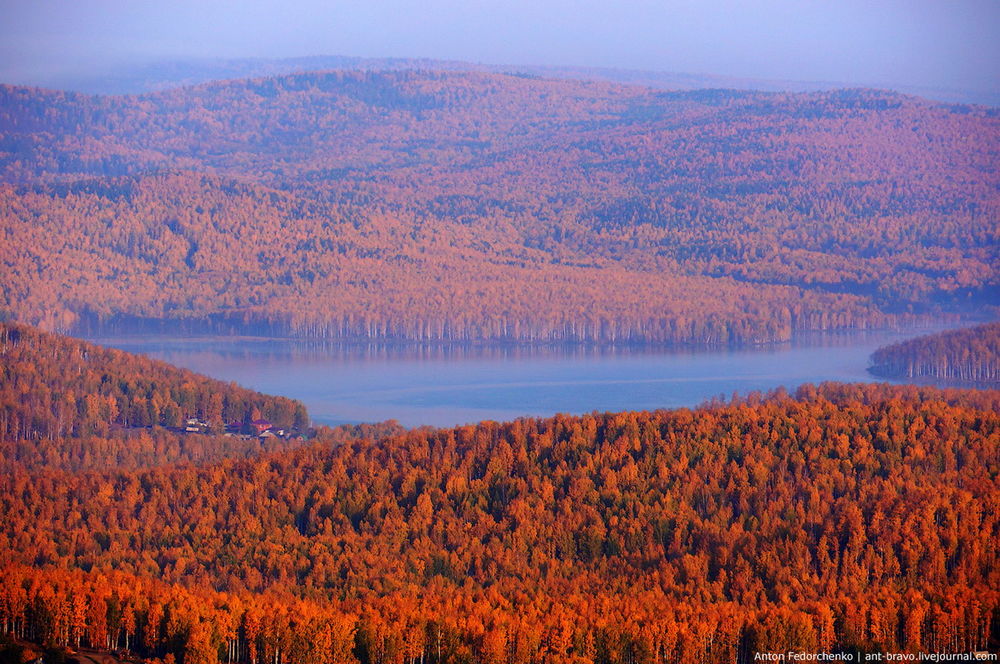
472 206
970 355
848 516
68 404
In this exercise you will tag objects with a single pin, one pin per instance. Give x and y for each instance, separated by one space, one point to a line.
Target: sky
935 43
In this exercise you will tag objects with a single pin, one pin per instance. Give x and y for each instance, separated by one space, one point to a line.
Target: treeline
460 206
847 516
968 355
54 387
142 617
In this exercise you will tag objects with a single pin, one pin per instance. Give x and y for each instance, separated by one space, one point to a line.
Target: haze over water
451 385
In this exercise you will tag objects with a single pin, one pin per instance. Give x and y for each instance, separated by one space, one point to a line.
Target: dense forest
471 206
143 510
841 517
969 355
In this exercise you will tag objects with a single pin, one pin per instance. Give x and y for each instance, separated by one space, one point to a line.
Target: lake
450 385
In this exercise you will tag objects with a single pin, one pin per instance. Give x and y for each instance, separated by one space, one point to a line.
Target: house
194 425
261 425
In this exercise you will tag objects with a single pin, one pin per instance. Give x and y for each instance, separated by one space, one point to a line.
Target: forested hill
855 517
970 355
68 404
437 205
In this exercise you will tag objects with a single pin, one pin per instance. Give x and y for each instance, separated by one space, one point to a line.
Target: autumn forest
149 513
969 355
842 516
475 206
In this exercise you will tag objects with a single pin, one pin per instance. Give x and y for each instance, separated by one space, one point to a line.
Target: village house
261 426
194 425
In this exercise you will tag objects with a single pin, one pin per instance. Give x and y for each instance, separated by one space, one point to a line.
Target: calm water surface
449 385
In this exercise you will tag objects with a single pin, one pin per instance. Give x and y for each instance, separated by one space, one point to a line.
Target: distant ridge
164 74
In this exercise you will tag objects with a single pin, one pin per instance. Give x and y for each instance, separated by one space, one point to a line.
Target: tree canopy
434 205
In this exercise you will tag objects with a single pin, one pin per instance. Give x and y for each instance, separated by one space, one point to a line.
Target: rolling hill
72 405
845 518
154 75
482 206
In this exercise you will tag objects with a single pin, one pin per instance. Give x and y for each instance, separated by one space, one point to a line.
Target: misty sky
937 43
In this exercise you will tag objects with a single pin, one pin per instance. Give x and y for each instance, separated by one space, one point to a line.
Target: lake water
449 385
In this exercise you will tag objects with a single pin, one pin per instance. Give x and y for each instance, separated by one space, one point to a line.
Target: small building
194 425
261 425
